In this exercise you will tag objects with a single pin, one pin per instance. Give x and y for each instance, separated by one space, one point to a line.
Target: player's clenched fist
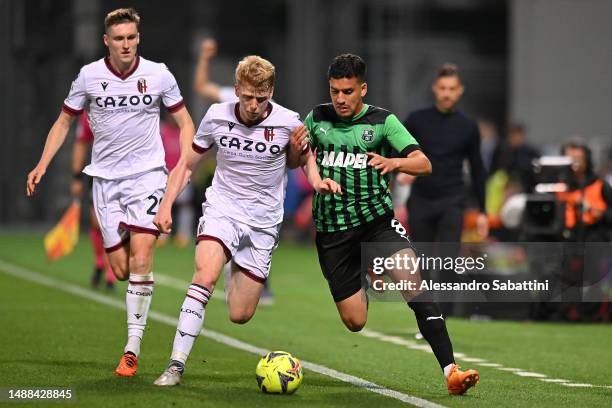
33 179
163 220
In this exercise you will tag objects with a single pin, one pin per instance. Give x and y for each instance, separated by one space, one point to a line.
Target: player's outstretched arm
176 184
321 186
55 139
415 164
201 83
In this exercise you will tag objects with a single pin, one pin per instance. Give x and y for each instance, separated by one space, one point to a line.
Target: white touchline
41 279
479 361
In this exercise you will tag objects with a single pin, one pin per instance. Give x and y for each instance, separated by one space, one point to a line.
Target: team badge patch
269 133
142 85
368 135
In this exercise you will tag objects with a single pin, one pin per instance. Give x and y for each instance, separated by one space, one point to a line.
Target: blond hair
256 72
122 15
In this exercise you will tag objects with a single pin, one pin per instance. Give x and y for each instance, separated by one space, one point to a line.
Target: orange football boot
460 381
127 366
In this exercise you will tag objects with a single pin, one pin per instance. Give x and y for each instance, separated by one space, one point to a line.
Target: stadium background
544 63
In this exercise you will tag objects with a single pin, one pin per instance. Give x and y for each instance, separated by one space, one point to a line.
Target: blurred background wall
542 62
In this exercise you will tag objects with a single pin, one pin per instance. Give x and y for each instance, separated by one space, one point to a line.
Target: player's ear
105 39
137 38
271 92
364 89
461 90
237 90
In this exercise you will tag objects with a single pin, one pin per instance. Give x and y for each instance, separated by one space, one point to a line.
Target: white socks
190 322
447 370
137 300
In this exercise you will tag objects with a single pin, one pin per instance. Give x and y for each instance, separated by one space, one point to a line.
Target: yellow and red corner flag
62 238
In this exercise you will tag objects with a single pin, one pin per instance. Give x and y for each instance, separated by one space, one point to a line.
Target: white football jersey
251 175
123 112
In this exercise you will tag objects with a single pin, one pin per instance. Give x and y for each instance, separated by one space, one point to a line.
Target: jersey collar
119 74
357 116
237 114
361 113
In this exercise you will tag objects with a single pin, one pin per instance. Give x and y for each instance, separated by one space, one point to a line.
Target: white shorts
128 204
250 247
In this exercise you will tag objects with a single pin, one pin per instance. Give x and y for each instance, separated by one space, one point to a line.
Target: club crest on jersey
368 135
269 133
230 125
142 85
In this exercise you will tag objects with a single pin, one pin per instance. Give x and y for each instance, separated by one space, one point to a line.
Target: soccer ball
278 372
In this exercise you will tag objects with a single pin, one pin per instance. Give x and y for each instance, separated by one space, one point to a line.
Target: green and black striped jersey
340 147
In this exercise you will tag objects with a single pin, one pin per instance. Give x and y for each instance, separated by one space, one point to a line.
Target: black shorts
340 253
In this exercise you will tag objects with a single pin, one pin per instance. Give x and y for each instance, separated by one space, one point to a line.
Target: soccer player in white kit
219 93
243 211
121 95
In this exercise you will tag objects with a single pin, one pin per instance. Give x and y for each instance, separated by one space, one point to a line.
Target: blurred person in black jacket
447 137
515 156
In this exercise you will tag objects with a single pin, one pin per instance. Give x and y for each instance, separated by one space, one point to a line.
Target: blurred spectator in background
588 202
82 145
515 156
447 137
488 142
184 226
202 84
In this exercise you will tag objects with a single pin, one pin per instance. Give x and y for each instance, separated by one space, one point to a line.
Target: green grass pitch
51 338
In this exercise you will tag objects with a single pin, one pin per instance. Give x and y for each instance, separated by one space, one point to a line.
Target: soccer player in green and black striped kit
352 143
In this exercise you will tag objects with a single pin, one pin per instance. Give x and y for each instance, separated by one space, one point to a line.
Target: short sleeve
77 97
310 125
399 137
171 94
203 139
227 94
84 133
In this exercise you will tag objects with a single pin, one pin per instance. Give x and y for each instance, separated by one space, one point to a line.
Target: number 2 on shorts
156 201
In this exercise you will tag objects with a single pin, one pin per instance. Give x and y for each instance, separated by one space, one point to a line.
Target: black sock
433 330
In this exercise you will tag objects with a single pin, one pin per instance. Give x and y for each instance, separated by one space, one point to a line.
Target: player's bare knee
241 316
354 326
121 275
354 323
120 271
